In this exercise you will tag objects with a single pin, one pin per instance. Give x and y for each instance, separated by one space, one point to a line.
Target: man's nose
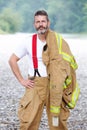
41 23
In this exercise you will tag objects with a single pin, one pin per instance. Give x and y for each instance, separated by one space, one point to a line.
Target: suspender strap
34 51
34 55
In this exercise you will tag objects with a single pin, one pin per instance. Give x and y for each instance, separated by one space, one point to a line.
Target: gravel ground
11 92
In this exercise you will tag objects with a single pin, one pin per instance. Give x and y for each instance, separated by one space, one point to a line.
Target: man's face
41 24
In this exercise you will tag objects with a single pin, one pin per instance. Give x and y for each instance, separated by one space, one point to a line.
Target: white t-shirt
25 48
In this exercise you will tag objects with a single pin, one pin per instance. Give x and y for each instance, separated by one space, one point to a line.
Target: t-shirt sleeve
20 49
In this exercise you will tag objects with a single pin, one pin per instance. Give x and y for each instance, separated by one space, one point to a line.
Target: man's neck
42 37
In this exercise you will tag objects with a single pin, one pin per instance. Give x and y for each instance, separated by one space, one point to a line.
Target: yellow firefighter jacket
61 67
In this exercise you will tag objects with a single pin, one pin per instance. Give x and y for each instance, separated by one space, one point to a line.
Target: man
37 93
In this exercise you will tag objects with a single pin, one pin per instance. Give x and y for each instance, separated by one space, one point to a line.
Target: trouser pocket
25 105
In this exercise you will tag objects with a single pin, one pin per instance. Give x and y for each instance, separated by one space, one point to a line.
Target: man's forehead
40 17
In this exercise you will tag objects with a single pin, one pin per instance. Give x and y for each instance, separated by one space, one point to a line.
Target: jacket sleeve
59 70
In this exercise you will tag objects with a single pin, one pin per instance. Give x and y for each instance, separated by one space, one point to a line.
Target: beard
42 30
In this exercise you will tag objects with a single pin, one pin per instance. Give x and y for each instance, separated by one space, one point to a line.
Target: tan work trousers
32 105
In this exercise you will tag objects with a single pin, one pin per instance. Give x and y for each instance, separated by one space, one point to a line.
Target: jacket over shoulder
57 57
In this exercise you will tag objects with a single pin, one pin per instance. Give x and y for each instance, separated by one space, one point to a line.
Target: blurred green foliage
65 16
10 21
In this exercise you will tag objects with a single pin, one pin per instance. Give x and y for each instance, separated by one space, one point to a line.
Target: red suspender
34 51
34 54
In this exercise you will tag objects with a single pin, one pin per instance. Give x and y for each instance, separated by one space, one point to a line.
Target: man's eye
37 22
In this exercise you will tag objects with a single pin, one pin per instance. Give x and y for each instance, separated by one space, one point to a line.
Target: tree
85 18
10 21
65 16
75 19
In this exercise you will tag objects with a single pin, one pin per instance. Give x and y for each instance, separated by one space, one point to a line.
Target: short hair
41 12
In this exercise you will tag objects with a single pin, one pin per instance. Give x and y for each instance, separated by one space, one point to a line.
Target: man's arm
15 68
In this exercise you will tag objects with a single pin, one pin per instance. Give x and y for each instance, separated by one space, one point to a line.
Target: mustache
41 27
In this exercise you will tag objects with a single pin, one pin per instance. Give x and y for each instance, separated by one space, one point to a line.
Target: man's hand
27 83
15 68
